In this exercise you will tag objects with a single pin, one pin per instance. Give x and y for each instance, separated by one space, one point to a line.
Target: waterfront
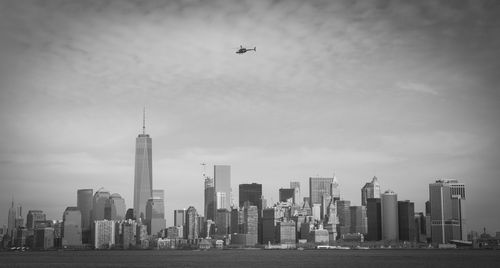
255 258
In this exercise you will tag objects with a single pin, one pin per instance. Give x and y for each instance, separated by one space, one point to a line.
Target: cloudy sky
404 90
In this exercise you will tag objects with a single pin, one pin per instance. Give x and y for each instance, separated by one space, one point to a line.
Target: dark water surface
255 258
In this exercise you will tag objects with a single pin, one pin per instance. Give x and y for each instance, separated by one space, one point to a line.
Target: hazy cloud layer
404 90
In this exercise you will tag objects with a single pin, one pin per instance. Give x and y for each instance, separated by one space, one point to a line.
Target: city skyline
401 91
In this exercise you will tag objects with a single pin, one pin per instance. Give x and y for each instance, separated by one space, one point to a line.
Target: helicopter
242 50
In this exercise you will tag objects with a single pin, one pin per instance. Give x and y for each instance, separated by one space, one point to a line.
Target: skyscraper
99 204
223 222
406 219
335 189
72 227
159 194
270 218
115 208
358 220
11 223
286 194
296 186
210 206
344 214
250 223
389 212
179 217
374 217
104 234
143 178
222 182
447 219
15 219
34 218
458 207
251 193
84 204
155 213
191 227
318 187
370 190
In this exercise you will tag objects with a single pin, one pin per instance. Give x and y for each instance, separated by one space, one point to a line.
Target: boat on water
331 247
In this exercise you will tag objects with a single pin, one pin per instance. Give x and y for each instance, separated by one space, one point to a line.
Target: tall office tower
270 219
326 200
210 206
447 209
287 194
335 189
12 219
104 234
318 187
374 217
202 225
316 212
223 222
72 227
143 178
191 229
160 194
428 220
251 193
141 233
99 204
235 221
370 190
389 212
129 234
34 219
250 224
155 216
179 217
420 228
358 220
296 186
344 214
84 204
115 208
222 182
406 220
458 207
306 207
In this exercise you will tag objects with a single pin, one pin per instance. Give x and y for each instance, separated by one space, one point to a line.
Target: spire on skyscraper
144 120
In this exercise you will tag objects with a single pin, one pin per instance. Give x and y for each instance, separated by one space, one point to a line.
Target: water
255 258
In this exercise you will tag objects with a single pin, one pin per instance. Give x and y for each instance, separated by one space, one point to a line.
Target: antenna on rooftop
144 120
204 170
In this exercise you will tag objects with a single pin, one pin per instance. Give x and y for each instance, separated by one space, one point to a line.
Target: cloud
316 96
417 87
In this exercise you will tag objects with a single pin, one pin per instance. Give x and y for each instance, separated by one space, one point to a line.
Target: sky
403 90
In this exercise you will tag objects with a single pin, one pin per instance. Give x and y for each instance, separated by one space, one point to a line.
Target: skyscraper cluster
101 219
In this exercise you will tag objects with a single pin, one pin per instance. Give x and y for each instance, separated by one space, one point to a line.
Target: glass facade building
222 182
143 176
389 212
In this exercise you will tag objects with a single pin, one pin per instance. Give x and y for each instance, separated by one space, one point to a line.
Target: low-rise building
319 236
